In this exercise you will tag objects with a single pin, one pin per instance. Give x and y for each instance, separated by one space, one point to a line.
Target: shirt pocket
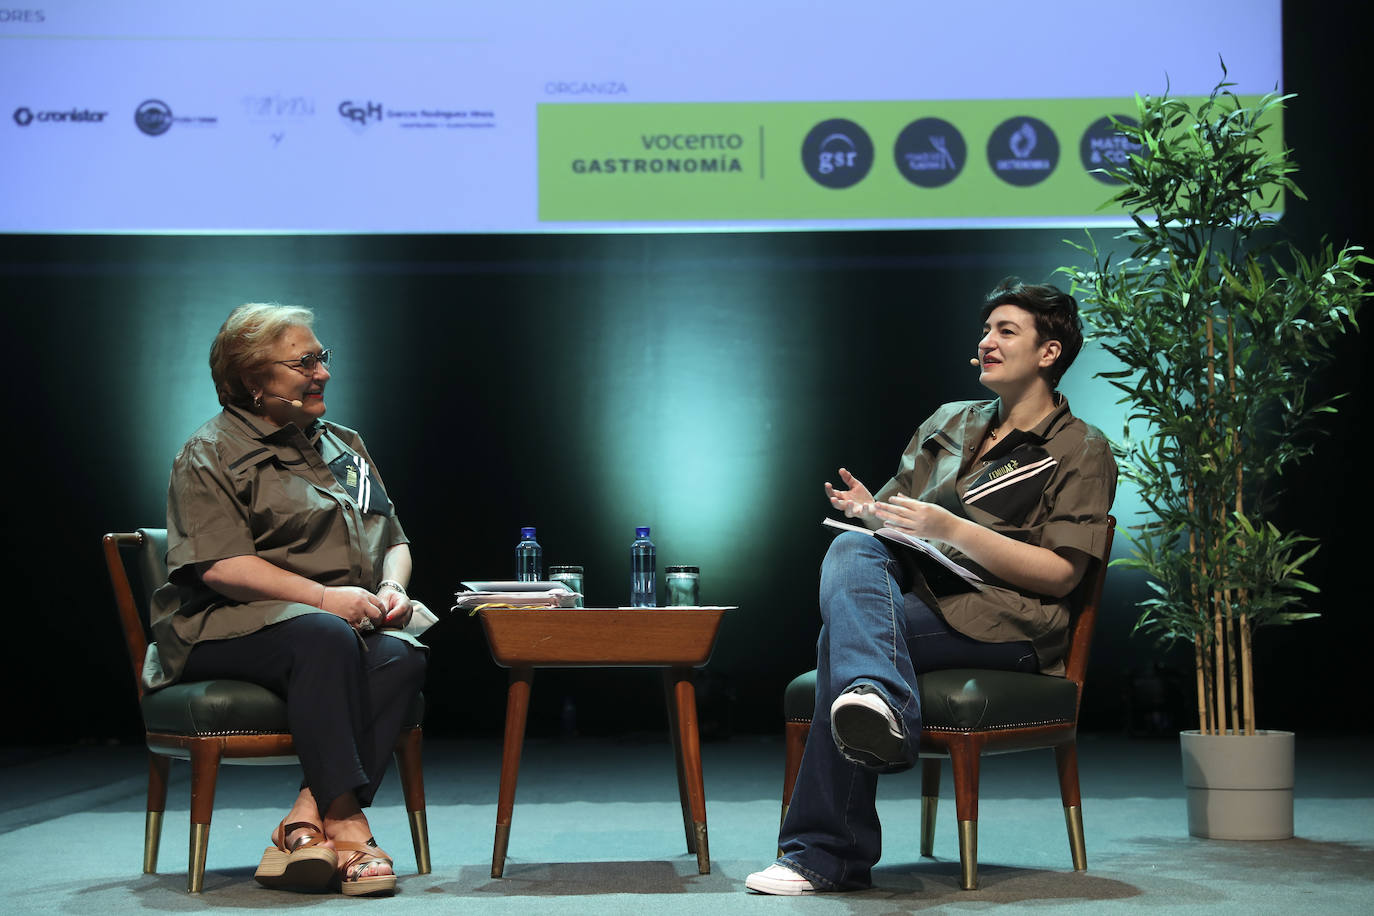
286 510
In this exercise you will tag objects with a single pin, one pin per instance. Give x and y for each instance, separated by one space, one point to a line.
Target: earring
257 400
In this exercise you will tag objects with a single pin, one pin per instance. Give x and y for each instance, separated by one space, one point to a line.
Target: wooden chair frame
206 752
965 748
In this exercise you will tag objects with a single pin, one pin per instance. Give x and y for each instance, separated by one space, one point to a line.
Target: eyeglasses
308 361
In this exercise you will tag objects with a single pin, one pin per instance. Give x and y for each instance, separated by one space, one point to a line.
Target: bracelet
392 584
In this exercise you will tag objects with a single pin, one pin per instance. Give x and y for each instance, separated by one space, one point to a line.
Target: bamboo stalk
1226 595
1219 631
1247 675
1247 679
1204 692
1231 676
1199 662
1219 669
1209 681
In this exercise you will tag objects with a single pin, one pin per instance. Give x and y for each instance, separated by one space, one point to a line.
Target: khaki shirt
242 487
1051 487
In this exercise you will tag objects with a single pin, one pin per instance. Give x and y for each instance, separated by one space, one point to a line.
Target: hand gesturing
854 502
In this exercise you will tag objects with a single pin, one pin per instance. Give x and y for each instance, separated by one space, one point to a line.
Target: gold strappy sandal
308 865
354 859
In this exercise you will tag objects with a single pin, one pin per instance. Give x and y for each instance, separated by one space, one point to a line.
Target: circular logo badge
1023 151
930 152
23 117
837 153
153 117
1105 147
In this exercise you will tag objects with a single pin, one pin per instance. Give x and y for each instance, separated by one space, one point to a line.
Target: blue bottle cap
526 533
642 532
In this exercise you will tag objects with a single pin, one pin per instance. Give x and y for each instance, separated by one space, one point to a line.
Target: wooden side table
674 639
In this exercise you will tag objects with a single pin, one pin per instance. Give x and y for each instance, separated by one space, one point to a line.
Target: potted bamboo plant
1218 331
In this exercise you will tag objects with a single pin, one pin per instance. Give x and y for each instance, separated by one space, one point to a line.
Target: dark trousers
877 633
345 698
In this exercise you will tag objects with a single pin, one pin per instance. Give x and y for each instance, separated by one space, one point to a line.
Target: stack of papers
508 594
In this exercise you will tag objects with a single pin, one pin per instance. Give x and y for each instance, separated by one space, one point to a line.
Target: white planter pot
1240 787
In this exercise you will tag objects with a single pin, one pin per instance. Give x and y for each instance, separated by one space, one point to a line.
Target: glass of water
571 576
684 586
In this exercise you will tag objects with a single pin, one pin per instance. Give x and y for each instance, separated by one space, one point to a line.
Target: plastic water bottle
643 582
529 558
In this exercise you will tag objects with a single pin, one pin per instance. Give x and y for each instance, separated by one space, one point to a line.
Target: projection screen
535 117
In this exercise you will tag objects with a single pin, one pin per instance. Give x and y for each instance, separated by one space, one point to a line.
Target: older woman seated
287 568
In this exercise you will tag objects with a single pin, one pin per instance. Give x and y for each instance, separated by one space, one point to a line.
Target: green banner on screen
980 162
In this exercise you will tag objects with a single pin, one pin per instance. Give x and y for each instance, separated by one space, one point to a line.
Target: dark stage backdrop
701 384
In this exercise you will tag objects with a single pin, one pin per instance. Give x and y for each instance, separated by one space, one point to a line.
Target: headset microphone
293 403
973 362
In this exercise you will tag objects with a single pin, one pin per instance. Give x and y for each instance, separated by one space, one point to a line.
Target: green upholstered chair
969 712
207 722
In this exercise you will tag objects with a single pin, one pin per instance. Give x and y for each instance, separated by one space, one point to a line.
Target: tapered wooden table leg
517 710
685 699
676 736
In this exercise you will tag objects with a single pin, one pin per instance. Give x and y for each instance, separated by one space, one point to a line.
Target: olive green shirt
1051 487
242 487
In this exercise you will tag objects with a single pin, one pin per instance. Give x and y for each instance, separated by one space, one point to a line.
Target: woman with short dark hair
1015 490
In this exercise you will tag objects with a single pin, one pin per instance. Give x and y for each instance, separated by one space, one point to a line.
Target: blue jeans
874 632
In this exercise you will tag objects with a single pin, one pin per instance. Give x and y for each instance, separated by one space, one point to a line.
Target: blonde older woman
288 568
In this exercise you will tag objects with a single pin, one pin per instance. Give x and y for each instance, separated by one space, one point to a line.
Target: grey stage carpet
597 830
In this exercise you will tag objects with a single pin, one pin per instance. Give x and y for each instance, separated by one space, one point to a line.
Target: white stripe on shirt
364 485
974 494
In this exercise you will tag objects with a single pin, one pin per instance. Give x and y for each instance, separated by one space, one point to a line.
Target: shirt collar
1043 431
1057 420
263 431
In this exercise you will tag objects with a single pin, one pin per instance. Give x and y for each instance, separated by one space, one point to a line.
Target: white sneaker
779 880
866 729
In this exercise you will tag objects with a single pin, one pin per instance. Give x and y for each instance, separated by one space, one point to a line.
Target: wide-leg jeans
874 632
